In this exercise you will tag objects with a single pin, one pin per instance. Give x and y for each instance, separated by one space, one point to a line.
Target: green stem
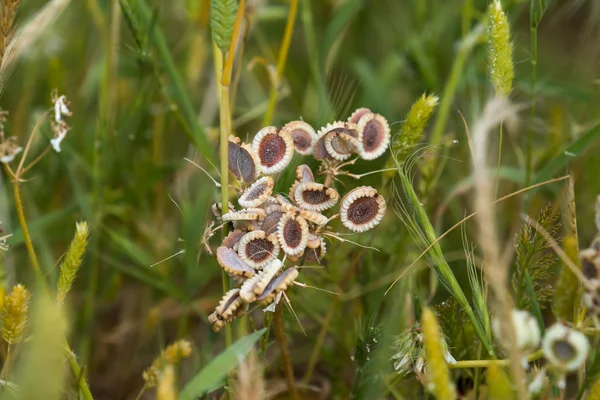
529 159
285 353
486 363
285 46
499 162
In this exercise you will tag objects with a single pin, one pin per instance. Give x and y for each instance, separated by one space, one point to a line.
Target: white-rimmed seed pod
230 302
293 189
590 263
320 150
341 145
233 265
526 329
374 135
313 216
248 214
355 117
315 196
362 209
304 173
303 135
564 347
292 233
271 222
232 239
316 253
313 241
244 163
257 193
274 148
257 249
266 276
278 284
217 209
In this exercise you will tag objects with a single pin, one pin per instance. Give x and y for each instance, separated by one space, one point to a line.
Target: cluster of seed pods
268 226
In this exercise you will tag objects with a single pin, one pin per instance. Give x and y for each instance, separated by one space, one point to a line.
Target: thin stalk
283 52
285 353
499 161
7 360
139 396
534 55
486 363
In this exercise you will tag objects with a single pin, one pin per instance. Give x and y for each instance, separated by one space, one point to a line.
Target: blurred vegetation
141 79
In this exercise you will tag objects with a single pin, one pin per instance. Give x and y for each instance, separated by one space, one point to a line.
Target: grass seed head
72 260
171 355
14 314
500 50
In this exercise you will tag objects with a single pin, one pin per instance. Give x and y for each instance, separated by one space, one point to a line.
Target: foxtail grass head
172 355
500 50
14 314
72 260
439 375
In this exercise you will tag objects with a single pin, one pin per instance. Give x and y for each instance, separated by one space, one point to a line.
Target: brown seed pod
590 263
355 117
315 196
304 173
228 304
279 284
341 145
374 134
218 323
255 286
248 214
317 253
244 163
232 240
233 265
362 209
293 189
320 151
271 222
257 249
292 233
257 193
303 135
274 149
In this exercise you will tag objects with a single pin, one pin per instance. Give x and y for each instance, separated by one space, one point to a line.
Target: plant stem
486 363
283 52
529 159
499 161
285 353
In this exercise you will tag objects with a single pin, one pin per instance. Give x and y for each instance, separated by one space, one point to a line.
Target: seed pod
230 307
320 151
341 145
217 209
232 240
564 347
233 265
304 173
313 216
271 222
374 134
362 209
315 196
590 263
293 189
292 233
278 284
255 287
244 163
257 249
274 149
303 135
355 117
248 214
315 254
257 193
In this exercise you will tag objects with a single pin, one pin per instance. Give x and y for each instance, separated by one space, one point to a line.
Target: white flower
526 329
565 348
60 108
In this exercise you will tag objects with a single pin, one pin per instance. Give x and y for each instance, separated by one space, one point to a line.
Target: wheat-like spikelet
165 390
436 362
9 12
222 19
500 50
170 356
413 127
499 387
14 314
72 260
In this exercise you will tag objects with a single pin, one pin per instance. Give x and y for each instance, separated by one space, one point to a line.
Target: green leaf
211 375
564 158
537 8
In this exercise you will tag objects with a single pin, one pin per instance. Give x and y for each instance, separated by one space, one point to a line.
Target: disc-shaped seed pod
317 253
248 214
315 196
228 304
233 265
355 117
293 189
341 145
257 193
244 163
271 222
303 135
304 173
278 284
257 249
274 149
320 151
313 241
218 323
362 209
374 135
232 239
313 216
292 233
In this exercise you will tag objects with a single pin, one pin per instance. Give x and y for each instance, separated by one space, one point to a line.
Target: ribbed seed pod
315 196
257 249
292 233
362 209
274 148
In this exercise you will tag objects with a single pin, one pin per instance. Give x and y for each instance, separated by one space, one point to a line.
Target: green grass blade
210 377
